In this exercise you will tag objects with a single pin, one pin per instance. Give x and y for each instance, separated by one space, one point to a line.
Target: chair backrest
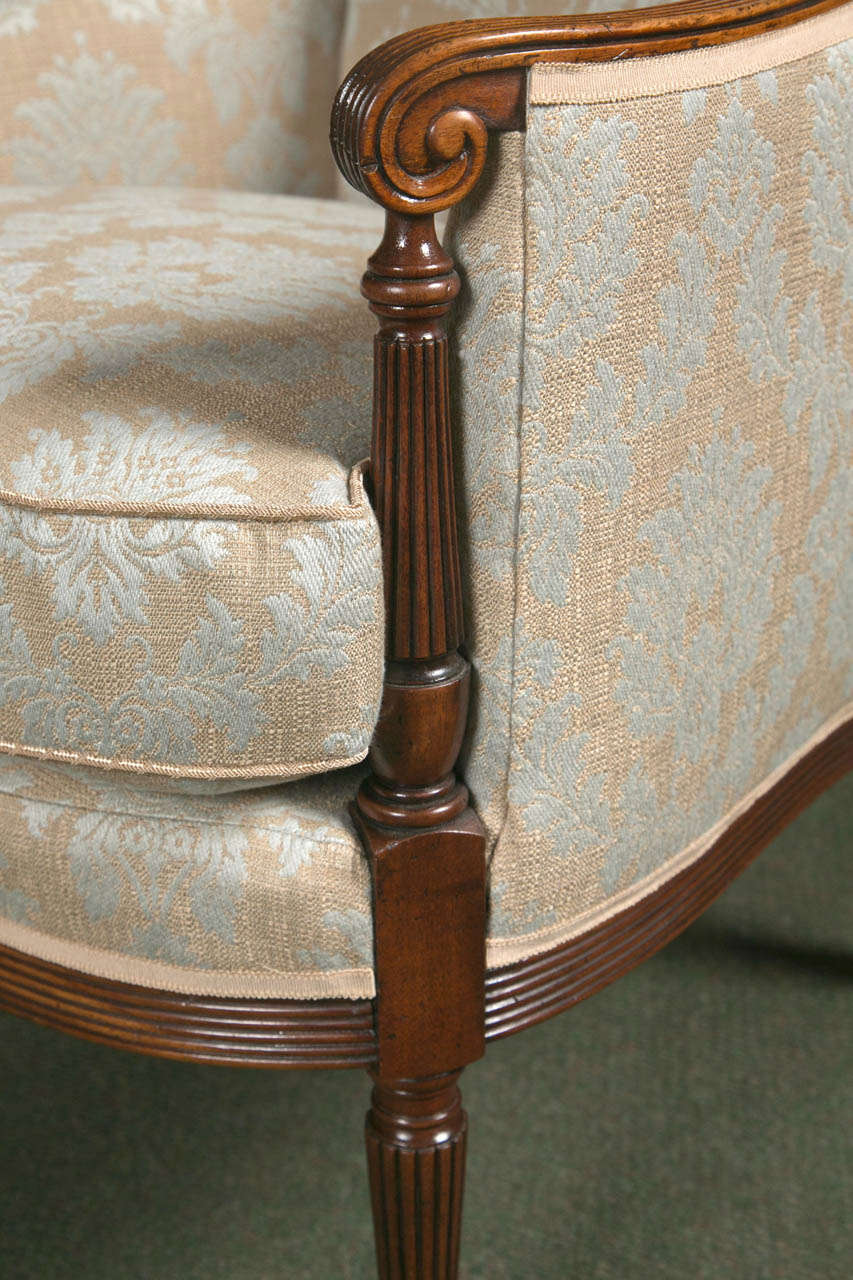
205 93
209 93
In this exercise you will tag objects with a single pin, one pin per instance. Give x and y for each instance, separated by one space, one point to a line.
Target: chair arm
410 128
410 123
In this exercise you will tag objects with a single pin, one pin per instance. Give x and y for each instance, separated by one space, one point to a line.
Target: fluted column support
416 1137
426 846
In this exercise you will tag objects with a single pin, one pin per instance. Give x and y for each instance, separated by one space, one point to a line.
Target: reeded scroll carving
410 123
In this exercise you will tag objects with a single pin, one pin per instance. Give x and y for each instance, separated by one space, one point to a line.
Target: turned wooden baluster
427 847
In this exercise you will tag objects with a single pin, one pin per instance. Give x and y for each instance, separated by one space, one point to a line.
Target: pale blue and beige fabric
204 93
253 893
654 413
191 587
191 569
656 396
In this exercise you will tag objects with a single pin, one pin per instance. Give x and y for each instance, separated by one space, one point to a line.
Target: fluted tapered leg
425 845
416 1133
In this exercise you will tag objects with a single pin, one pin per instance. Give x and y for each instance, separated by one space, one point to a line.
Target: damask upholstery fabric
655 402
206 93
656 407
262 893
190 572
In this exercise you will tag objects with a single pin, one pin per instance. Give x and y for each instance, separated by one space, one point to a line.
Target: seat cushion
264 893
191 572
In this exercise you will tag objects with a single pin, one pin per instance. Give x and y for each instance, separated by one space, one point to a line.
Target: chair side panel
682 590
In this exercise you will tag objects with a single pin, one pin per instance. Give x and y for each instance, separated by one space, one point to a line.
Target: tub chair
582 599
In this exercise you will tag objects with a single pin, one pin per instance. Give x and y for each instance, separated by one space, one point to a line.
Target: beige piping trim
250 512
288 769
505 951
552 83
319 984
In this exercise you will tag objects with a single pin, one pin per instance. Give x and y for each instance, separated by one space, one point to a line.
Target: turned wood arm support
410 128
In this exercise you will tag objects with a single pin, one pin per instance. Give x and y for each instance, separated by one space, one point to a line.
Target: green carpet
692 1122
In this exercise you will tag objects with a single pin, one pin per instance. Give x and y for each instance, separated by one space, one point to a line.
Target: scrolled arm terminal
410 123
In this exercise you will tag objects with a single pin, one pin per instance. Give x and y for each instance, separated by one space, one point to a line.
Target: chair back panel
207 93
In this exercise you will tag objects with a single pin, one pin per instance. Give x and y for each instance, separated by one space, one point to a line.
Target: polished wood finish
427 849
411 121
212 1029
339 1033
410 284
416 1135
429 942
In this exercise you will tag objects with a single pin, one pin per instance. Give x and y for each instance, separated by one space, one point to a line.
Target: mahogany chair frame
410 127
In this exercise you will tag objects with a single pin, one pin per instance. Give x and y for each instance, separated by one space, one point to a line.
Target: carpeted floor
692 1122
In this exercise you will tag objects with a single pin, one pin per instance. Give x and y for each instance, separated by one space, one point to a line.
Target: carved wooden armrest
410 128
410 123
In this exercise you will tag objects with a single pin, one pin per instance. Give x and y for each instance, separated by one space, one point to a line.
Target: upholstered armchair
583 598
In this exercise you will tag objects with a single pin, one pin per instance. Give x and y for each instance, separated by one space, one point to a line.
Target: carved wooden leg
425 845
429 931
416 1132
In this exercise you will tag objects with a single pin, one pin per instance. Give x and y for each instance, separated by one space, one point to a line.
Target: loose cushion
655 408
264 893
206 93
190 572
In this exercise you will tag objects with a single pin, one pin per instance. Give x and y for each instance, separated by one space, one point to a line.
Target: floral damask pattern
226 895
19 16
678 450
212 93
99 567
184 587
655 345
63 136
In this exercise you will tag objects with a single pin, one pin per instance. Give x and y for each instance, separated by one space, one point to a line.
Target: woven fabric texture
202 93
190 569
206 93
263 893
656 403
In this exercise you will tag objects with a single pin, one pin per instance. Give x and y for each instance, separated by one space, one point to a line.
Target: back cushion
206 93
